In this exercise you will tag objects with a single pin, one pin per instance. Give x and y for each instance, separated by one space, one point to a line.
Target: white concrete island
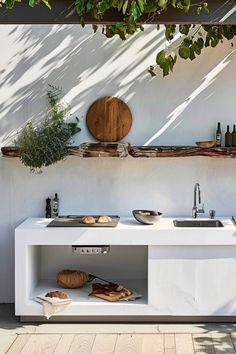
181 272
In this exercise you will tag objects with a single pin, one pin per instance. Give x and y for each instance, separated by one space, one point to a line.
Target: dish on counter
206 144
85 221
147 217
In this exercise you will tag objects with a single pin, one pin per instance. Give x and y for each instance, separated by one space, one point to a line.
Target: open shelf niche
126 265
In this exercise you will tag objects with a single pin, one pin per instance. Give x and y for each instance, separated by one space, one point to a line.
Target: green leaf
141 4
10 4
120 4
214 42
184 29
192 54
32 3
135 10
172 60
47 4
162 3
173 3
169 32
161 58
187 5
200 43
184 51
124 8
196 48
166 69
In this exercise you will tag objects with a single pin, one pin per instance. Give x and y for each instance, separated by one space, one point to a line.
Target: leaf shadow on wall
88 66
79 61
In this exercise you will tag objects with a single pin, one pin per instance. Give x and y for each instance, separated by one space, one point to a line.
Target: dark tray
76 221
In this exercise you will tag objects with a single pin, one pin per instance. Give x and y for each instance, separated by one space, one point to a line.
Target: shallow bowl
147 217
206 144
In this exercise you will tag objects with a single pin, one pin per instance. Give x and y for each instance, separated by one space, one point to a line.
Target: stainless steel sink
197 223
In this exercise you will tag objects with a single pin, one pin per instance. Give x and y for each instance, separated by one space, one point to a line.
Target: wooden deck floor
160 343
16 337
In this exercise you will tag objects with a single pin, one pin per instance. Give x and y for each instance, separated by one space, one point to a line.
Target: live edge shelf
86 150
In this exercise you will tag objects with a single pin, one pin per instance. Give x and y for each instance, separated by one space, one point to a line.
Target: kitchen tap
195 210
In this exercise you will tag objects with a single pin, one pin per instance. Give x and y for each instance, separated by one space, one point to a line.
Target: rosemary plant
45 144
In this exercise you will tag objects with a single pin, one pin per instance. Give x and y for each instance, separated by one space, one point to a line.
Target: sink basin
197 223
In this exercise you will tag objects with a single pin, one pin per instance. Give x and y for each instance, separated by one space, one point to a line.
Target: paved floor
16 337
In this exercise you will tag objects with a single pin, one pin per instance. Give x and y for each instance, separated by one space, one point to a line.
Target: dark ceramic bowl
147 217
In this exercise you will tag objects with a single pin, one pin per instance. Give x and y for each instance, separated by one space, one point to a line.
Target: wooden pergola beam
63 12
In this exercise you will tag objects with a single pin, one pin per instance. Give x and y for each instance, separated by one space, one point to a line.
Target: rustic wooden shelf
99 150
86 150
83 150
180 151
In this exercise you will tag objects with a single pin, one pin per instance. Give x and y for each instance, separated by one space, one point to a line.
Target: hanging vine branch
191 42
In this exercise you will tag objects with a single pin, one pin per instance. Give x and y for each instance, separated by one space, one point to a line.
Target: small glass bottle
218 135
228 138
55 206
234 137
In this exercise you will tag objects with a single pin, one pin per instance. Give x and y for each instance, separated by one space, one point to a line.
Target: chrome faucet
195 210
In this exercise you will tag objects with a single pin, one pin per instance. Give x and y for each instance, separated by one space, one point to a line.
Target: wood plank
180 151
222 343
203 344
184 343
169 343
64 344
41 343
104 344
63 11
128 344
82 344
18 344
233 338
153 344
6 341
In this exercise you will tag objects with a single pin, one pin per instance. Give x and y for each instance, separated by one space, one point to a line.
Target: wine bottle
228 138
218 135
55 206
234 137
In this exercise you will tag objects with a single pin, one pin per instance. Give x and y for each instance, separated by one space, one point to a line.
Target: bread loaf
58 294
88 220
71 279
104 219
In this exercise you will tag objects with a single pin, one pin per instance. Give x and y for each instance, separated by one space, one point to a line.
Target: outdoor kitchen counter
179 271
33 231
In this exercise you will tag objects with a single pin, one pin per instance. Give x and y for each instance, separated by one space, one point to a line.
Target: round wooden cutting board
109 119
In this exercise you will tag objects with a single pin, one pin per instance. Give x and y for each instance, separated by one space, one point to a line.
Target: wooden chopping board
109 119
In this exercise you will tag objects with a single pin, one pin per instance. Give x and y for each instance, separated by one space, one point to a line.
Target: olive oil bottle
228 138
234 137
218 135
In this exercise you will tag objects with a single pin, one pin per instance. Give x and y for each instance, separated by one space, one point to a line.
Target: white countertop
33 231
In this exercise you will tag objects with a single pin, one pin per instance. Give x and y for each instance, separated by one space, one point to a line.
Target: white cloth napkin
52 305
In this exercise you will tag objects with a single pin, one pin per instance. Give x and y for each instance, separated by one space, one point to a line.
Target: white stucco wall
178 110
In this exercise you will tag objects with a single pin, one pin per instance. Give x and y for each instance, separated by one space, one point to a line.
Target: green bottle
228 138
218 135
234 137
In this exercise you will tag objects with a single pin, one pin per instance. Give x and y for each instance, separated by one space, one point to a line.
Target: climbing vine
135 13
